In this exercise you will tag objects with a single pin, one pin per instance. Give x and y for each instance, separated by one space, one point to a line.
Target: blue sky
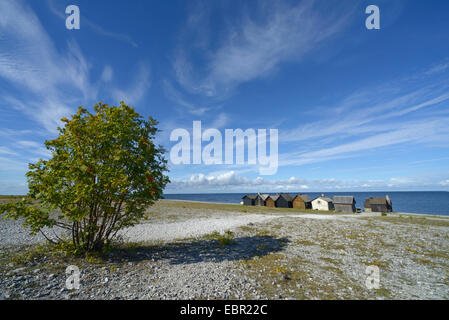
356 109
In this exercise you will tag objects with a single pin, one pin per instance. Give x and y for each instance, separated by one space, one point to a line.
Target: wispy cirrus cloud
138 88
177 97
410 133
5 132
254 47
362 115
375 118
33 147
59 12
30 61
440 67
107 74
50 82
7 151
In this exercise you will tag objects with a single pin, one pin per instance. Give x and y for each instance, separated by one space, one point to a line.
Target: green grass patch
379 263
234 207
305 242
437 222
223 239
423 261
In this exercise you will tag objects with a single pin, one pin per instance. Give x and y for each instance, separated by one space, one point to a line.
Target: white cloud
437 68
137 90
5 132
445 183
220 121
415 132
177 97
97 29
28 144
229 181
358 114
9 166
34 147
29 60
255 48
107 74
51 83
6 150
375 118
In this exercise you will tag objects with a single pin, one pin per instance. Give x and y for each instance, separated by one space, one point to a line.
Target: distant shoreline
5 197
240 205
304 191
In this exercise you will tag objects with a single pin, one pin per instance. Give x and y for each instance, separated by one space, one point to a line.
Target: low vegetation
223 239
237 207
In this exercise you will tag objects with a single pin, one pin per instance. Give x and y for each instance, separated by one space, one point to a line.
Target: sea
424 202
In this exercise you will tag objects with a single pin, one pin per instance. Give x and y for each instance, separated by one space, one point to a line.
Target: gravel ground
12 233
272 255
190 228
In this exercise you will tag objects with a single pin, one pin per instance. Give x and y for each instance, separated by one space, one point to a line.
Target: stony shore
188 250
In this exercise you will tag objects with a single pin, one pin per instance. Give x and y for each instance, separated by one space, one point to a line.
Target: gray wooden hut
249 199
284 201
261 199
344 203
378 204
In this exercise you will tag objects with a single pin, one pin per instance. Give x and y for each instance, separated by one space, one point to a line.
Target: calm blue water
427 202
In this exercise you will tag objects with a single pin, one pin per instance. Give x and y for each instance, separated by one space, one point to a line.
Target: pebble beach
194 250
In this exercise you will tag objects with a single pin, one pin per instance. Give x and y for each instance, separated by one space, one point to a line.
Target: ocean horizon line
302 192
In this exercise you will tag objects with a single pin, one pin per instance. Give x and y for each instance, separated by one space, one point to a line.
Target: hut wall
367 204
282 203
270 203
318 204
298 203
344 207
248 202
380 208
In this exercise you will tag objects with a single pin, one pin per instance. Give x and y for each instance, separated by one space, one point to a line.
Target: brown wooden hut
271 201
302 201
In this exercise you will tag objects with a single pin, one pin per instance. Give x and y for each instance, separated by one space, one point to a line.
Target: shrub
103 174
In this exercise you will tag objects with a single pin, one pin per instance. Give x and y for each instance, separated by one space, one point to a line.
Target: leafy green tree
104 172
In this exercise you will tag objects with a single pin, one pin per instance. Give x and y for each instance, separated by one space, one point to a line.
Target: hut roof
304 197
324 199
250 196
263 196
377 200
286 196
344 200
274 197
